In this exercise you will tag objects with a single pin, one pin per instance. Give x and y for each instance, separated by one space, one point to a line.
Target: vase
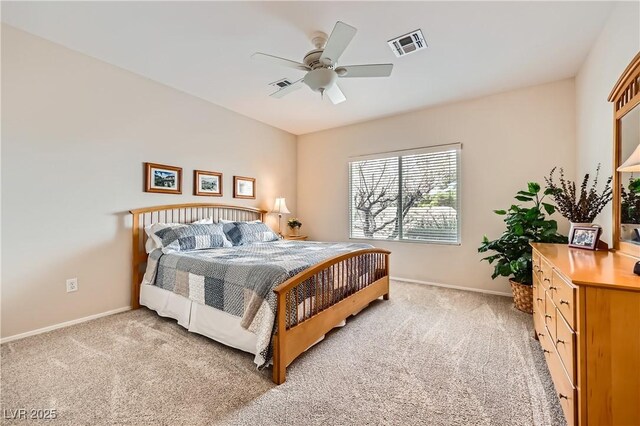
295 232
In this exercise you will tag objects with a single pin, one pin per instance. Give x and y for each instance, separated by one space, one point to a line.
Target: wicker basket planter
522 296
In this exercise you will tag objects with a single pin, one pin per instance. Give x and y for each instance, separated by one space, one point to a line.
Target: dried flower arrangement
582 208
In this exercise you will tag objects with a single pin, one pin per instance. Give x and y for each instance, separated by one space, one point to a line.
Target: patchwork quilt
240 280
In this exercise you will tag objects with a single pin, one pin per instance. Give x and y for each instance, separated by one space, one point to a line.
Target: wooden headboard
176 213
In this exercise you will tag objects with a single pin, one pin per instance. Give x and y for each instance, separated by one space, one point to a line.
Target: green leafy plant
294 223
630 208
512 252
583 207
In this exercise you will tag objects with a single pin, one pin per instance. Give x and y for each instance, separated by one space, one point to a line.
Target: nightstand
296 237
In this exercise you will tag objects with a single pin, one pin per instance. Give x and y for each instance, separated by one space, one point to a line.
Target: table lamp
280 207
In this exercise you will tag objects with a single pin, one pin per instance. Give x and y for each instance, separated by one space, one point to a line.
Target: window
409 195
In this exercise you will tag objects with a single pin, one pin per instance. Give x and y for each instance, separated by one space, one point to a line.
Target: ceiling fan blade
334 94
372 70
279 61
339 39
287 89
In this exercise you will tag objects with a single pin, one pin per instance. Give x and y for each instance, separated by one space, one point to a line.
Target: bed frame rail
313 302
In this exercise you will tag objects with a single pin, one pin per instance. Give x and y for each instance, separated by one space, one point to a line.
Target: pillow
153 242
192 237
242 233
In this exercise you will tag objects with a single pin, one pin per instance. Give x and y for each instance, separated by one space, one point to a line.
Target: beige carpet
428 356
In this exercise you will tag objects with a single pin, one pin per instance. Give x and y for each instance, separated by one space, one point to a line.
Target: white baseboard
127 308
63 324
457 287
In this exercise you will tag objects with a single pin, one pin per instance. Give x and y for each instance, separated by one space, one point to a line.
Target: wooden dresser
587 318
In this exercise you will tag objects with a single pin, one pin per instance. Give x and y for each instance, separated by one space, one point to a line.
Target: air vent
281 83
408 43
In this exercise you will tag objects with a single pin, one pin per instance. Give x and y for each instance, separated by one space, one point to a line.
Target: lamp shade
633 162
280 206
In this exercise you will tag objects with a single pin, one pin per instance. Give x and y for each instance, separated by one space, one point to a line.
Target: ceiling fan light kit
320 79
321 65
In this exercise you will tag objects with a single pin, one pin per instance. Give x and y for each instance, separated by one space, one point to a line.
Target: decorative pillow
242 233
192 237
153 242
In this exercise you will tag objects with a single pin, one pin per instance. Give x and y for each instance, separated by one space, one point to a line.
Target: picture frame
585 237
244 187
207 183
163 179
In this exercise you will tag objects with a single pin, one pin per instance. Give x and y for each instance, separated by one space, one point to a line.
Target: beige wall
508 139
616 46
75 132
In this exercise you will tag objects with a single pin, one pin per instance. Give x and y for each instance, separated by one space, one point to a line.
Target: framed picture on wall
207 183
162 178
244 187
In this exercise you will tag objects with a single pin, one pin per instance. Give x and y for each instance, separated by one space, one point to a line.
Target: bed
281 299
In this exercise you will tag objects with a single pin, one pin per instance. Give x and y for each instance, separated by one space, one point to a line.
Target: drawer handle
540 335
561 341
564 302
538 299
552 287
546 351
547 316
546 279
561 396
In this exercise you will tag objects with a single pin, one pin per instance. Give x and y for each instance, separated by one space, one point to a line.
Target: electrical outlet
72 285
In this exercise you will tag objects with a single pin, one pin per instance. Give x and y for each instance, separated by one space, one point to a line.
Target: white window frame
400 153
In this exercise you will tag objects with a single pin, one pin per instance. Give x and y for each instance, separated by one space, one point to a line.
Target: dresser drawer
564 389
546 344
545 273
535 263
565 345
564 296
538 296
550 316
538 322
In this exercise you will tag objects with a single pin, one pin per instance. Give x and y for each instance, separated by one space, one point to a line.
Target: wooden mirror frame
625 96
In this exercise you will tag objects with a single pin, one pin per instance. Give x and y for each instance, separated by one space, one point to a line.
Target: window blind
406 195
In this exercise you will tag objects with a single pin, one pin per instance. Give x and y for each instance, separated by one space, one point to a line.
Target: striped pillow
192 237
242 233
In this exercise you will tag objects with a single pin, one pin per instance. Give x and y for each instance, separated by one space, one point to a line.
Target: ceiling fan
321 65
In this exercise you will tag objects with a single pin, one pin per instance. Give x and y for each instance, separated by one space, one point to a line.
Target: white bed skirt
202 319
210 322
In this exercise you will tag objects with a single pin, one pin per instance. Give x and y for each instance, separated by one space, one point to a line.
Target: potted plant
580 209
512 252
630 210
294 225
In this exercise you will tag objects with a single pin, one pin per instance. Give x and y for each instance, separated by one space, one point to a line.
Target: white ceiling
204 48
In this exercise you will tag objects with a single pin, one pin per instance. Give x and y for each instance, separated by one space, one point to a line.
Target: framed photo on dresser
585 237
207 183
163 179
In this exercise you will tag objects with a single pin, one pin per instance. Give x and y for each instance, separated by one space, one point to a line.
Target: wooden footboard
313 302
